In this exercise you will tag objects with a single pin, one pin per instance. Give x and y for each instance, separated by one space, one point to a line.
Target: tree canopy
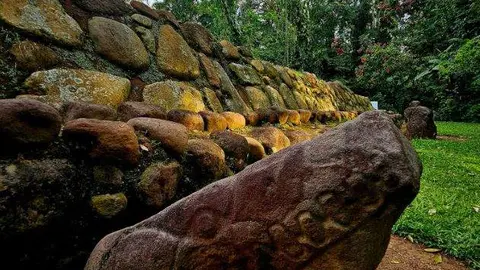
393 51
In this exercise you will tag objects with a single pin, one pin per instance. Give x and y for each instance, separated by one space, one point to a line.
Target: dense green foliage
446 212
390 50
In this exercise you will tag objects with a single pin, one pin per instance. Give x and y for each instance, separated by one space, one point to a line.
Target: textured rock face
173 136
198 37
107 7
207 158
420 122
245 74
209 69
75 110
145 10
44 18
159 182
25 122
234 101
104 141
229 50
118 43
213 121
132 109
174 95
32 56
64 85
174 56
191 120
317 205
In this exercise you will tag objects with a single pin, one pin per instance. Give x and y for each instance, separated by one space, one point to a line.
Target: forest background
392 51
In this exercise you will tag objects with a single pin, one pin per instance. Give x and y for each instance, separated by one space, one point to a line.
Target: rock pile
419 120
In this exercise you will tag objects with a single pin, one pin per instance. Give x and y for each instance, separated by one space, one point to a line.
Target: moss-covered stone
158 183
174 56
245 74
174 95
212 101
147 37
109 205
63 85
198 37
257 98
229 50
45 18
274 97
118 43
257 64
33 56
232 99
142 20
288 97
209 68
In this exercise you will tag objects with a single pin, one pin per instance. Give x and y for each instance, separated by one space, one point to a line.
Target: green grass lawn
446 212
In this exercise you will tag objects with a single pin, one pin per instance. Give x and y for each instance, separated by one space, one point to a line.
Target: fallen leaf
476 208
438 259
432 211
410 238
395 262
432 250
144 148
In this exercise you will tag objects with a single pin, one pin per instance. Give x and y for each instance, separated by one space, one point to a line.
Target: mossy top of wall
145 46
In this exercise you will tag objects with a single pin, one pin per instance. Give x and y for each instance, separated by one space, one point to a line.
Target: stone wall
110 112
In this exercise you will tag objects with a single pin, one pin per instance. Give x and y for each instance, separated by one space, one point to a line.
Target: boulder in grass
420 122
317 205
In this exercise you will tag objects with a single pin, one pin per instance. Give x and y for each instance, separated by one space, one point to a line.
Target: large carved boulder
420 122
325 204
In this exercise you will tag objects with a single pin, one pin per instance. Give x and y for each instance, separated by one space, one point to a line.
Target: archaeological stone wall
110 112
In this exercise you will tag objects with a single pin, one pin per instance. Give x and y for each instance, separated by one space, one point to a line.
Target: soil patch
402 254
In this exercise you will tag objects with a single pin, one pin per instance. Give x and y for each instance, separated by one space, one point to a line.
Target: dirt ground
404 255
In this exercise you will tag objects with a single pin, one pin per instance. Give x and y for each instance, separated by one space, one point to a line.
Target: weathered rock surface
294 117
26 122
33 56
207 159
305 115
210 71
171 135
297 136
233 100
245 74
142 20
316 205
75 110
213 121
229 50
134 109
147 37
105 7
174 56
234 120
109 205
173 95
257 98
420 122
256 150
272 139
64 85
108 142
191 120
198 37
145 9
159 182
43 18
118 43
211 100
235 147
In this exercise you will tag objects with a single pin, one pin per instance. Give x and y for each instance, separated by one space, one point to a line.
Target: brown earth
404 255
